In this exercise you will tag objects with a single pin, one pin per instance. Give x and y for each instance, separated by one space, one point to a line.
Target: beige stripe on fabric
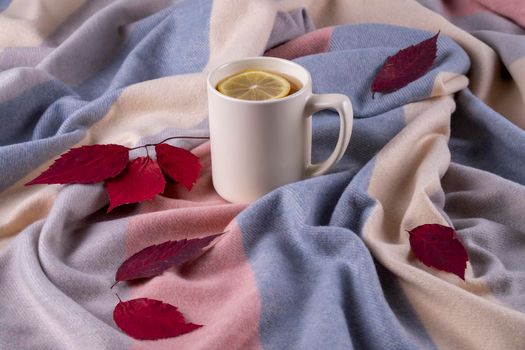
406 184
517 70
21 206
239 28
29 22
147 108
5 241
447 83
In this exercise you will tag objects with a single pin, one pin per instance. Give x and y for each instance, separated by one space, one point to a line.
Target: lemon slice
255 85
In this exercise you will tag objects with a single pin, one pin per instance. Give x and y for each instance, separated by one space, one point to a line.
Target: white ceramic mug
257 146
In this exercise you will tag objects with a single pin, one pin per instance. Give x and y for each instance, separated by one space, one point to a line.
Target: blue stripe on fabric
4 4
482 138
53 123
51 117
173 41
317 281
363 51
20 116
510 47
402 308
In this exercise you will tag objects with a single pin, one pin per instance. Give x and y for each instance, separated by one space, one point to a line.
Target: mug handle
343 106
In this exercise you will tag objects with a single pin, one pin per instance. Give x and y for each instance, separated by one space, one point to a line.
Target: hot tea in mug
260 112
258 85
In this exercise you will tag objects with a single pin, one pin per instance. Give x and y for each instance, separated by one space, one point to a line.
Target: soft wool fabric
321 263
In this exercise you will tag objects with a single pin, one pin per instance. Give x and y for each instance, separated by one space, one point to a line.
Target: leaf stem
171 138
118 297
114 284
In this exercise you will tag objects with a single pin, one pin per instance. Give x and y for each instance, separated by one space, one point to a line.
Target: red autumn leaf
149 319
85 165
437 246
141 180
155 259
407 65
179 164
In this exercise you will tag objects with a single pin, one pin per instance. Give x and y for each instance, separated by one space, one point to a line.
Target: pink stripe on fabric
312 43
462 7
513 9
219 289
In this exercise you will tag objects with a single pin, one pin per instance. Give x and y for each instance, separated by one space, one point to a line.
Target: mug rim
259 58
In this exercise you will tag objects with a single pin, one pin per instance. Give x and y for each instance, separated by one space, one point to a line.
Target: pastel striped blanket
323 263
